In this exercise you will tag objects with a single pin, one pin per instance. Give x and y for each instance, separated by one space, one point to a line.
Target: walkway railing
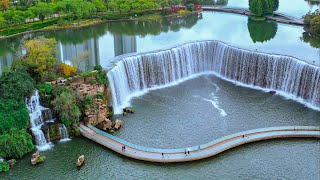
197 152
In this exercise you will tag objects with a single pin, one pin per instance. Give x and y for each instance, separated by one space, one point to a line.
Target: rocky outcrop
105 125
118 124
97 113
80 161
37 158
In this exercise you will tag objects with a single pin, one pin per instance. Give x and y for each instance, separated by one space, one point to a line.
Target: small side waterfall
36 120
64 133
290 77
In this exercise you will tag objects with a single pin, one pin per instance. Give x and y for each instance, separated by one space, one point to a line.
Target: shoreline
98 21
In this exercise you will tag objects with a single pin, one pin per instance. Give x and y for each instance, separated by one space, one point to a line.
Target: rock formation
37 158
118 124
80 161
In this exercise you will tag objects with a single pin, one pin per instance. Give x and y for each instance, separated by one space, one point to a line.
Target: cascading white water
36 120
290 77
64 133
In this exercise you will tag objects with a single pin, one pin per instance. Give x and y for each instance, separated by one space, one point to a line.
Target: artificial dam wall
135 74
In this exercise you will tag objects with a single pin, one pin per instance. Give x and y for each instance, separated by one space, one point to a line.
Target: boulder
11 162
118 124
128 110
37 158
124 113
36 154
80 161
106 124
272 92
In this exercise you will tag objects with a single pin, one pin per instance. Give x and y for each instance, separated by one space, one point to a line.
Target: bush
13 114
16 85
67 70
4 167
93 82
15 144
61 22
65 105
102 77
100 96
98 68
87 102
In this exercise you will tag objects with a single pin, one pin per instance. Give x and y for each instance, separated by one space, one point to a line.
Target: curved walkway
197 152
280 17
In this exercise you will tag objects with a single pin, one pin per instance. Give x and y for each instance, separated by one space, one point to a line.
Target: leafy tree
65 105
40 56
263 7
13 114
16 85
15 144
255 7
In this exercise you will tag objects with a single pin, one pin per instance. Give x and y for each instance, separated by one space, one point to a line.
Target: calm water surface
182 116
105 41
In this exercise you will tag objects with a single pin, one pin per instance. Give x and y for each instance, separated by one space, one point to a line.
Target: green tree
13 114
15 144
65 105
263 7
16 85
255 7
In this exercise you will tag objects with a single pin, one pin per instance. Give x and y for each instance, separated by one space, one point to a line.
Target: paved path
283 18
197 152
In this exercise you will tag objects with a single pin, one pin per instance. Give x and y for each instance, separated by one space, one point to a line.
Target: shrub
16 85
102 77
13 114
100 96
67 70
4 167
93 82
65 105
15 144
87 102
98 68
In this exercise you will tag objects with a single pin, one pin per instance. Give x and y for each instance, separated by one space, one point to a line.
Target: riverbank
92 22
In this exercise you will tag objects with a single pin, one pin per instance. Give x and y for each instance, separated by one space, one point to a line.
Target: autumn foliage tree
39 57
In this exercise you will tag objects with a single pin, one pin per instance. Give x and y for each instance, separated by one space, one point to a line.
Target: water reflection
262 31
215 2
104 41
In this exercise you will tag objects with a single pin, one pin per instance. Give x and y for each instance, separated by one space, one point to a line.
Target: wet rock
37 158
128 110
11 162
106 124
118 124
80 161
124 113
272 92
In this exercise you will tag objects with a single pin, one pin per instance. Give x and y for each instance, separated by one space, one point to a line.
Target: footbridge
279 17
197 152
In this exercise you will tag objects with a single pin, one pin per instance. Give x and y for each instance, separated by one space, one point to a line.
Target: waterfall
64 133
134 75
36 121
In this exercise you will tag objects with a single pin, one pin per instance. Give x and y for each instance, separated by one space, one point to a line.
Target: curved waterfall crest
136 74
